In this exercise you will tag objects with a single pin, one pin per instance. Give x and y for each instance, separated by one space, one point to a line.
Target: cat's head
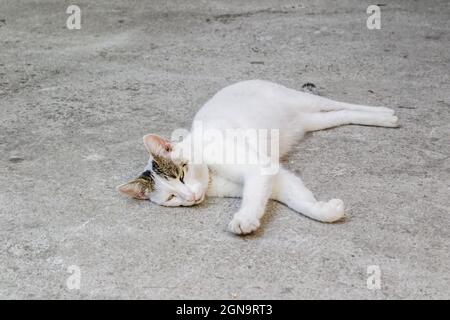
168 179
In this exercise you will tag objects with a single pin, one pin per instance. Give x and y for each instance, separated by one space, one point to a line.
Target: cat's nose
198 197
190 197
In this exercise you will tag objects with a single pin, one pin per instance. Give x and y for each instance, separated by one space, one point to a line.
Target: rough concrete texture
74 105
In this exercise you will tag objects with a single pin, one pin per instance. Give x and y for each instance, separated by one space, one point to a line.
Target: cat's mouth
202 198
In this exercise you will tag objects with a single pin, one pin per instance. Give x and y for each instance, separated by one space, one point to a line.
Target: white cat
173 178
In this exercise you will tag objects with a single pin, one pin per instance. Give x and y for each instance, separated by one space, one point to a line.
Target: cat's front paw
243 225
332 210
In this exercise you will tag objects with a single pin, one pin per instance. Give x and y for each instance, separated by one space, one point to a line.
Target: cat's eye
170 197
183 168
182 176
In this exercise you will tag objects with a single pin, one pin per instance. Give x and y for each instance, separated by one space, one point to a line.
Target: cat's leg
290 190
324 120
324 104
257 191
314 103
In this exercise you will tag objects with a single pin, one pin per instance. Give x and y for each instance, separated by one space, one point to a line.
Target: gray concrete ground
74 105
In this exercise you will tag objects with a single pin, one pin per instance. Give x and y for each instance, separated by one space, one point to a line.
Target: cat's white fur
261 104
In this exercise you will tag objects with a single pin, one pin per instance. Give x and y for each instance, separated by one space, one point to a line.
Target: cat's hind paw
243 225
388 120
393 122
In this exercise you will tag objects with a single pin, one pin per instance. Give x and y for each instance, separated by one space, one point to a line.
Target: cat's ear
156 145
134 189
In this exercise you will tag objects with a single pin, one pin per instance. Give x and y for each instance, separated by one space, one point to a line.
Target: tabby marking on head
165 167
